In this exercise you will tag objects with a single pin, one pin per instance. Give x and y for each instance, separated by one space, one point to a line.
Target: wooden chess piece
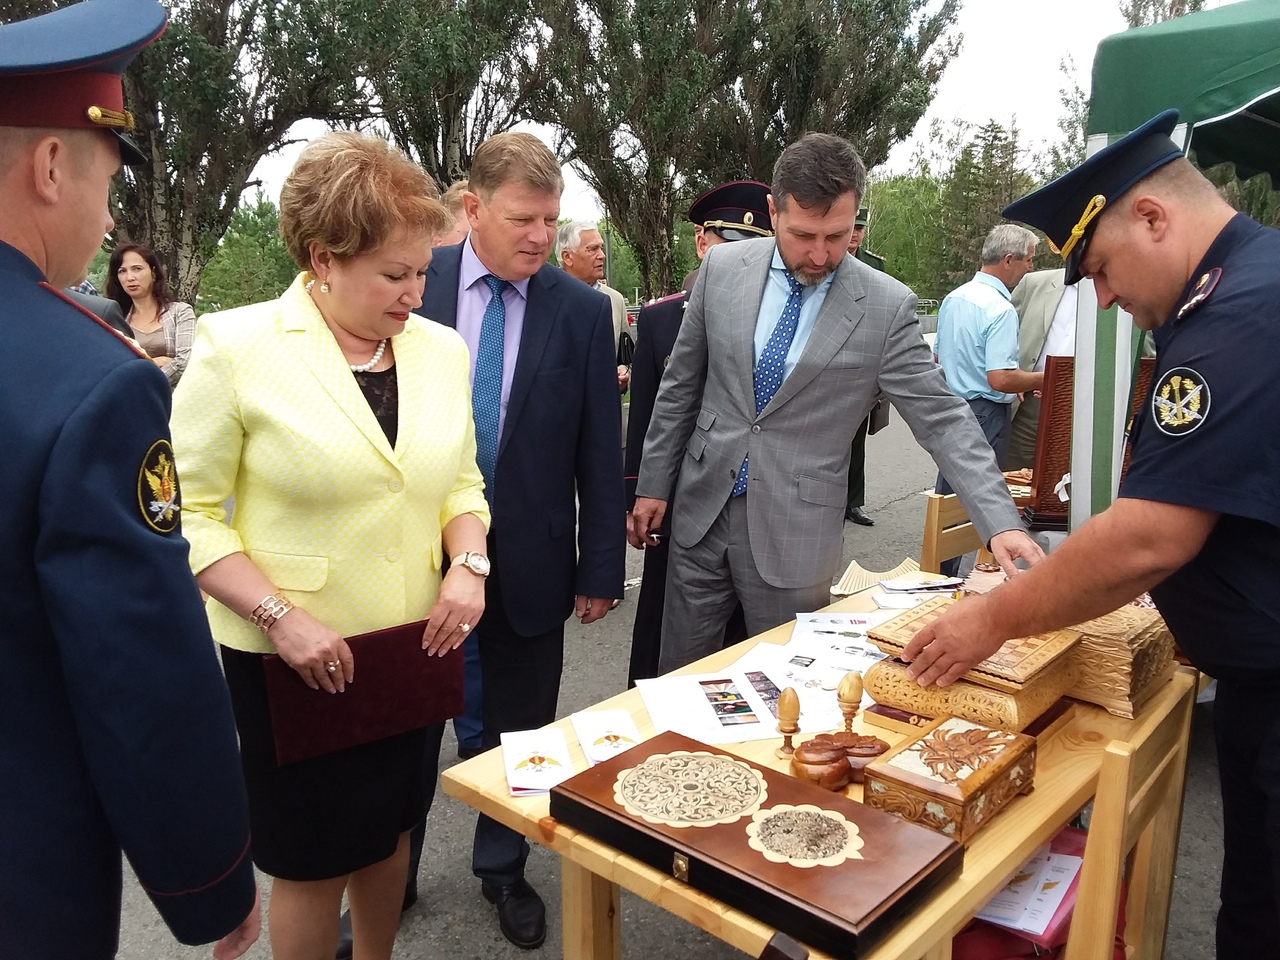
859 749
849 693
788 721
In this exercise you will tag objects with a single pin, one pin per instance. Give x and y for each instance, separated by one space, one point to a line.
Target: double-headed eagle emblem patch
1180 401
158 488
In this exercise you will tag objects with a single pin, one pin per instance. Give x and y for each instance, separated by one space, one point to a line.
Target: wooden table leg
941 952
591 917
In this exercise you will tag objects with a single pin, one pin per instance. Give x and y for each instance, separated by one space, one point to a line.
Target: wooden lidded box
1122 659
815 865
955 777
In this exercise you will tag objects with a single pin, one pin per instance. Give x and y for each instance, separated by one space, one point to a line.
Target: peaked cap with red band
62 69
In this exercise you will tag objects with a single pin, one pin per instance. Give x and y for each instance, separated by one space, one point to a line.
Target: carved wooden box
955 777
824 869
1010 668
1121 660
889 684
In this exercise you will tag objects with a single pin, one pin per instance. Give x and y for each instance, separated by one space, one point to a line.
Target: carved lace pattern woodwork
804 836
690 789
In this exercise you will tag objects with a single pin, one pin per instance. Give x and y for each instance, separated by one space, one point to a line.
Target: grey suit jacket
104 308
865 341
1036 300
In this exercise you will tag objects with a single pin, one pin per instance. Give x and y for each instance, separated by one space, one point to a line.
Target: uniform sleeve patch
158 493
1180 402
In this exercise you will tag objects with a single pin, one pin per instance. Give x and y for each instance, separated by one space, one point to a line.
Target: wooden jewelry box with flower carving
820 867
954 778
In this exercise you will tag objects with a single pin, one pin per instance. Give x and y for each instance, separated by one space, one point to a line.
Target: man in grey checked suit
777 546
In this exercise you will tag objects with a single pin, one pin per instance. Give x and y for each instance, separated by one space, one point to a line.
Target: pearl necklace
373 361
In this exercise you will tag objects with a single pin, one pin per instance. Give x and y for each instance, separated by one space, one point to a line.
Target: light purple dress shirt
473 298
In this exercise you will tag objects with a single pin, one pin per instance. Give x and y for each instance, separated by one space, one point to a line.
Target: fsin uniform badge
1180 401
158 488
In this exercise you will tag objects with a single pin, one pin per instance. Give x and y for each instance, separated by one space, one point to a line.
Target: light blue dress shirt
977 332
473 298
776 292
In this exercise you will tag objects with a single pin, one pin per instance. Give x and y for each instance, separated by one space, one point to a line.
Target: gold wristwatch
477 563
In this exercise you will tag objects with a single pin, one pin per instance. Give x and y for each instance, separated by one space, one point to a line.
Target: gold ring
332 666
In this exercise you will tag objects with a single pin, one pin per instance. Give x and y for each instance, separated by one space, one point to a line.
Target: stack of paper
536 760
919 584
604 733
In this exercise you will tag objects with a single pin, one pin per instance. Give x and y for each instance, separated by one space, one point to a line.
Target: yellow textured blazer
268 412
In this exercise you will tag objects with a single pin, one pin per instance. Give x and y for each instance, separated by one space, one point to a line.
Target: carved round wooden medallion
804 836
684 789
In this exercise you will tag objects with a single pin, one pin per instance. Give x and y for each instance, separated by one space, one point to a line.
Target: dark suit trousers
646 634
858 466
521 689
1247 732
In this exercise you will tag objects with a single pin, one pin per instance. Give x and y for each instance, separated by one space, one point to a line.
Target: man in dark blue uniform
115 726
1198 517
731 211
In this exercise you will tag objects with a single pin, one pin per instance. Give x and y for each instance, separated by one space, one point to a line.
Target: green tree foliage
1142 13
906 211
216 93
1069 150
251 263
448 74
629 77
863 69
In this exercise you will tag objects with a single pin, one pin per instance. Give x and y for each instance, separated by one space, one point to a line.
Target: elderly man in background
580 253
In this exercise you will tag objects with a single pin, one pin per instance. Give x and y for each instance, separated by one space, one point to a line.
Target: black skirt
328 816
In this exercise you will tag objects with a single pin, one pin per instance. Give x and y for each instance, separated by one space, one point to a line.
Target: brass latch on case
680 867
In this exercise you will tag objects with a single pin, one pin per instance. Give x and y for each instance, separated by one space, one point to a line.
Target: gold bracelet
271 609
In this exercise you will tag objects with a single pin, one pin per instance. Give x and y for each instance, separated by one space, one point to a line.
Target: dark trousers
646 633
1247 732
469 728
993 418
521 689
430 774
858 466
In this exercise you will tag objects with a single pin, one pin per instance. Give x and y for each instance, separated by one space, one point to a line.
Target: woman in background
341 422
163 326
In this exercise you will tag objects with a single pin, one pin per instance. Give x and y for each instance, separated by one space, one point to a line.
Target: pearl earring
324 286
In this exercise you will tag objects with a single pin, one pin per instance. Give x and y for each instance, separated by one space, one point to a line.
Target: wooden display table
591 872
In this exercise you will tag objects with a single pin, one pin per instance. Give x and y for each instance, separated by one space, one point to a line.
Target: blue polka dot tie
772 363
486 391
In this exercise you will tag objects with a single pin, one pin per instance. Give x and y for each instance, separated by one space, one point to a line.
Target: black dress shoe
521 913
857 516
466 753
345 945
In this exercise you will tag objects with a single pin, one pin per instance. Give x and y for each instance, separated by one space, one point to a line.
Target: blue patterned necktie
486 390
772 363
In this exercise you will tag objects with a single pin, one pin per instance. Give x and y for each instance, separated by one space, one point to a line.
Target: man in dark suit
117 726
731 211
104 308
548 431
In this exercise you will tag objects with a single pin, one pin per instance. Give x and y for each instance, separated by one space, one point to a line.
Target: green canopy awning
1220 68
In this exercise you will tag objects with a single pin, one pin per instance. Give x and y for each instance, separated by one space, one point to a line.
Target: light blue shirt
776 292
473 298
977 332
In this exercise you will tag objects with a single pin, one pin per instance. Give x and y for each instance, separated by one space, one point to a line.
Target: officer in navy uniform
1198 519
117 729
731 211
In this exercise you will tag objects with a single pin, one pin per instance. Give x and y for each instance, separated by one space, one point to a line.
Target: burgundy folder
397 688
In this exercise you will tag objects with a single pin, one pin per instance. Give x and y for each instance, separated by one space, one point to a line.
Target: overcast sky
1007 70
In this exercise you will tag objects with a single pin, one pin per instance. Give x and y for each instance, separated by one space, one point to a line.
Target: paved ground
452 921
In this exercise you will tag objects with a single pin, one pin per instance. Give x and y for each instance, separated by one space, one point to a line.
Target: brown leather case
843 909
397 688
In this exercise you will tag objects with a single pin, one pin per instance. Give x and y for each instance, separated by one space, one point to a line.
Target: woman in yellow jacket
339 425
